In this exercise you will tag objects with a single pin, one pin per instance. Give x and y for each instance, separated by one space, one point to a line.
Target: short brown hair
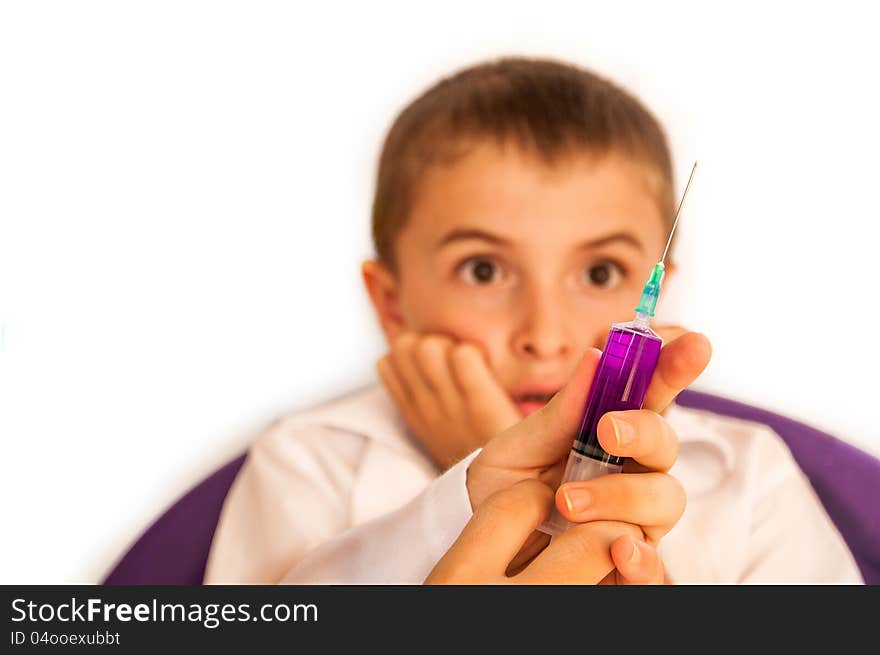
549 107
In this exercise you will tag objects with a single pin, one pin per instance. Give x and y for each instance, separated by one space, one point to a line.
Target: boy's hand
538 447
485 549
447 394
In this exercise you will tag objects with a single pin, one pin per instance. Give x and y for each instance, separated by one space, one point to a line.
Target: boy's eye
479 271
604 275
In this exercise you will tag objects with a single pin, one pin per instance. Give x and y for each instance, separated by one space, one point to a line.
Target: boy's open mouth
532 402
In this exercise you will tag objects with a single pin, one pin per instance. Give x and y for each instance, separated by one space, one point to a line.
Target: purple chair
174 549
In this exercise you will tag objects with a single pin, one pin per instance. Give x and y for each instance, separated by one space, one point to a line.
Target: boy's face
530 262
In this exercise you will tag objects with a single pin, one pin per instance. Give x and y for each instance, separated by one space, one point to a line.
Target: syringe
620 382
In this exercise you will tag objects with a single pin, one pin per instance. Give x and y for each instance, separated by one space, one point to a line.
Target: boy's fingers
419 392
545 436
680 363
487 402
637 562
398 391
654 501
401 357
433 361
640 434
494 535
580 555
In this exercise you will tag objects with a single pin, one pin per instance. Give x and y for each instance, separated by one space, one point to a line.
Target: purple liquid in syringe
620 383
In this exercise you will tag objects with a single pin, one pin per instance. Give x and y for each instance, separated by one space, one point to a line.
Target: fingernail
623 431
634 555
576 499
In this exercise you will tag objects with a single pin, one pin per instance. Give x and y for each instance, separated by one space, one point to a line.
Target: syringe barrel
620 383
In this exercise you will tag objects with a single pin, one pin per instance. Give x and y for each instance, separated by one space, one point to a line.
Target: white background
184 203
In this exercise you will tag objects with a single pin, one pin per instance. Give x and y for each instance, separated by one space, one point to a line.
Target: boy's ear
383 290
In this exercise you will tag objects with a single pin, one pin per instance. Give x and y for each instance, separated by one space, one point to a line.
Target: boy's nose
543 347
543 334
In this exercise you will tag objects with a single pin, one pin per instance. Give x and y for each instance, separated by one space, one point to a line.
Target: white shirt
342 493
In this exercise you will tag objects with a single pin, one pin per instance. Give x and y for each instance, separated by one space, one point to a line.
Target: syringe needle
677 212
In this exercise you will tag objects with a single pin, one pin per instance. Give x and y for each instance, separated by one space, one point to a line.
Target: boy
519 207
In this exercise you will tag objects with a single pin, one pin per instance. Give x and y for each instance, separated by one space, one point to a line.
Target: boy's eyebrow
617 236
461 234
